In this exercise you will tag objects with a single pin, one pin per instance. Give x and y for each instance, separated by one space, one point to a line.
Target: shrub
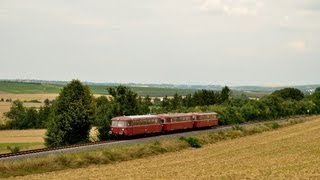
13 149
193 142
237 127
273 125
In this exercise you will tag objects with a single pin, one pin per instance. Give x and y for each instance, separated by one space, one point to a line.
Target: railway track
104 144
96 145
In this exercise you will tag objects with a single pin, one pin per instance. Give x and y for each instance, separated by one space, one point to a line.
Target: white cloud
230 7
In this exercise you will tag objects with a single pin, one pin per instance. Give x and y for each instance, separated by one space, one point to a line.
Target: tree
225 93
144 104
125 100
289 93
165 103
16 115
103 117
317 89
316 100
44 113
72 116
175 102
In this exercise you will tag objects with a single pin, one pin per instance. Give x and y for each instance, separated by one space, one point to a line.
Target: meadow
255 152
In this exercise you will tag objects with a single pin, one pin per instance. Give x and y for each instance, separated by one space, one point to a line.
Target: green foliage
125 100
103 117
289 93
36 88
192 141
273 125
14 149
20 117
317 90
316 100
225 93
72 116
237 127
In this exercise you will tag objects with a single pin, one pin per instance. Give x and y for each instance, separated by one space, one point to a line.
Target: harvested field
24 139
5 106
22 136
27 97
28 139
287 153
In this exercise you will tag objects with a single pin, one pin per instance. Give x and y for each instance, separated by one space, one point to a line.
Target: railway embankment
144 148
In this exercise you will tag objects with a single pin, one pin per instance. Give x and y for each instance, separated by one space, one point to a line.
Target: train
143 125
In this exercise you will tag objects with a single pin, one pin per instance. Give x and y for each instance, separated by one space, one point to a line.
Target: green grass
38 88
29 88
128 152
21 146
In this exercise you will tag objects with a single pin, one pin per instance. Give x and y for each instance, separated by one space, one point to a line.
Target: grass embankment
130 152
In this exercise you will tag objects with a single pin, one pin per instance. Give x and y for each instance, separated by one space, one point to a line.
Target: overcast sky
226 42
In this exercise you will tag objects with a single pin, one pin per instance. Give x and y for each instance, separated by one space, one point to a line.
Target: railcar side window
119 123
122 123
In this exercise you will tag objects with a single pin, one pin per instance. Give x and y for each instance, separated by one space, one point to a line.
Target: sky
216 42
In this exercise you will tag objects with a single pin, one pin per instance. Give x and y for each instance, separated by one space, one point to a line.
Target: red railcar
174 122
202 120
135 125
149 124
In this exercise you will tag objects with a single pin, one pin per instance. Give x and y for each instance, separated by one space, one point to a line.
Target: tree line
72 114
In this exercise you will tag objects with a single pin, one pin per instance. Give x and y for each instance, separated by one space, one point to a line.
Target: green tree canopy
104 113
125 100
225 93
72 115
289 93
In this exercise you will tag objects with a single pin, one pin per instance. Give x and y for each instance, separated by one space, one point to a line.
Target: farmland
23 139
27 139
39 88
286 153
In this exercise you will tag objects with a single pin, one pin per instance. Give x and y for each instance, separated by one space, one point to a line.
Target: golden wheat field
288 153
22 136
5 106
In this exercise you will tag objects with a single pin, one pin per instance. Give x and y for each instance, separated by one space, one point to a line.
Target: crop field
37 88
22 136
288 153
25 98
23 139
27 139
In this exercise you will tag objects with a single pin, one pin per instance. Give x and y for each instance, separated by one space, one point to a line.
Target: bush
13 149
273 125
193 142
237 127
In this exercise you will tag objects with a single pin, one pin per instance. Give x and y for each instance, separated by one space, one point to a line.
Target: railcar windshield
119 123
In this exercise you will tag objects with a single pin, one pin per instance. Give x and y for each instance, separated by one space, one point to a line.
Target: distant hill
22 86
18 87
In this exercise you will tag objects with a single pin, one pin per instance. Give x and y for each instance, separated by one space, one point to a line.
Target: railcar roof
139 117
205 113
176 115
